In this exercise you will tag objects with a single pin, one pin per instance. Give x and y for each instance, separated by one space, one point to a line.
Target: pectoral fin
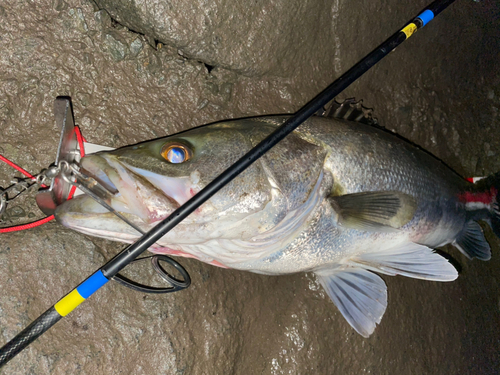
360 295
383 211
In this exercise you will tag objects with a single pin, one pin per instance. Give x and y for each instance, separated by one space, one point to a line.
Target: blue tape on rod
89 286
426 16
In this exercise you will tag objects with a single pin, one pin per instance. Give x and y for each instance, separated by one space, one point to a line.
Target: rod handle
28 335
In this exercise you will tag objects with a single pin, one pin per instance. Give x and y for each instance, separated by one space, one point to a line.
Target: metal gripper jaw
68 153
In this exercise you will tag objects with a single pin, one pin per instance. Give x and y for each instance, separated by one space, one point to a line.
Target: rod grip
28 335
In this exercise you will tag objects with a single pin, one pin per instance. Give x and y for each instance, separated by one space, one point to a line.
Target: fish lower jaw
106 234
149 214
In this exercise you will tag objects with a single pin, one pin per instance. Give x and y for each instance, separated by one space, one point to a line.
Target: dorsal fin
350 110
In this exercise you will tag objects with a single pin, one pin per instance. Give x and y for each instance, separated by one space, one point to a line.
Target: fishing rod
109 270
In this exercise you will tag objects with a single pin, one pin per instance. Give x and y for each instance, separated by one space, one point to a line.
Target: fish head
152 179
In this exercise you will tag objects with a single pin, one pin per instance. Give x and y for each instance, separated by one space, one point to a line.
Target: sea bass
341 199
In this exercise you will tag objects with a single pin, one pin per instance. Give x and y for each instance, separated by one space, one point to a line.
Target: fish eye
176 153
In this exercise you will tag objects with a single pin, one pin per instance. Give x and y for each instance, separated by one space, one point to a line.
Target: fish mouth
143 197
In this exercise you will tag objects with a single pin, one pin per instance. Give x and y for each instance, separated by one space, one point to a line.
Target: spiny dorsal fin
350 110
383 211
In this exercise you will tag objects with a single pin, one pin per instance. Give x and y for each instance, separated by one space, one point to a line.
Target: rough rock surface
441 90
279 36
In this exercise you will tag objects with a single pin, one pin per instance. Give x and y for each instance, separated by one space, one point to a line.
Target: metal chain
19 186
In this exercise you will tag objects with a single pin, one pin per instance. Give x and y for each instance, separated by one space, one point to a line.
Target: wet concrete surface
440 89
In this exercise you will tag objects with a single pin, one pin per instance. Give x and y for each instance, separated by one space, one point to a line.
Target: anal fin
407 259
360 295
471 242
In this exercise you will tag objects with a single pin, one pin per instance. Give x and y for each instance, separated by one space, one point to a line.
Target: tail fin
489 190
482 203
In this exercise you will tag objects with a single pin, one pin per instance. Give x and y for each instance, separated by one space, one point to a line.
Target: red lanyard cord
18 168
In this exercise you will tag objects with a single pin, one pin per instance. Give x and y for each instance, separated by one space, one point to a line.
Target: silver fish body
337 198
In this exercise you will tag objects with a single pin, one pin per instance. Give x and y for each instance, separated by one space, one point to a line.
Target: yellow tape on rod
69 303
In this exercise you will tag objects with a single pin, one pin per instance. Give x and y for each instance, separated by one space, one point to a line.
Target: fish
344 200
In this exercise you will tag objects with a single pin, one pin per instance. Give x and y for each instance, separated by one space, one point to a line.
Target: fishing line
111 268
